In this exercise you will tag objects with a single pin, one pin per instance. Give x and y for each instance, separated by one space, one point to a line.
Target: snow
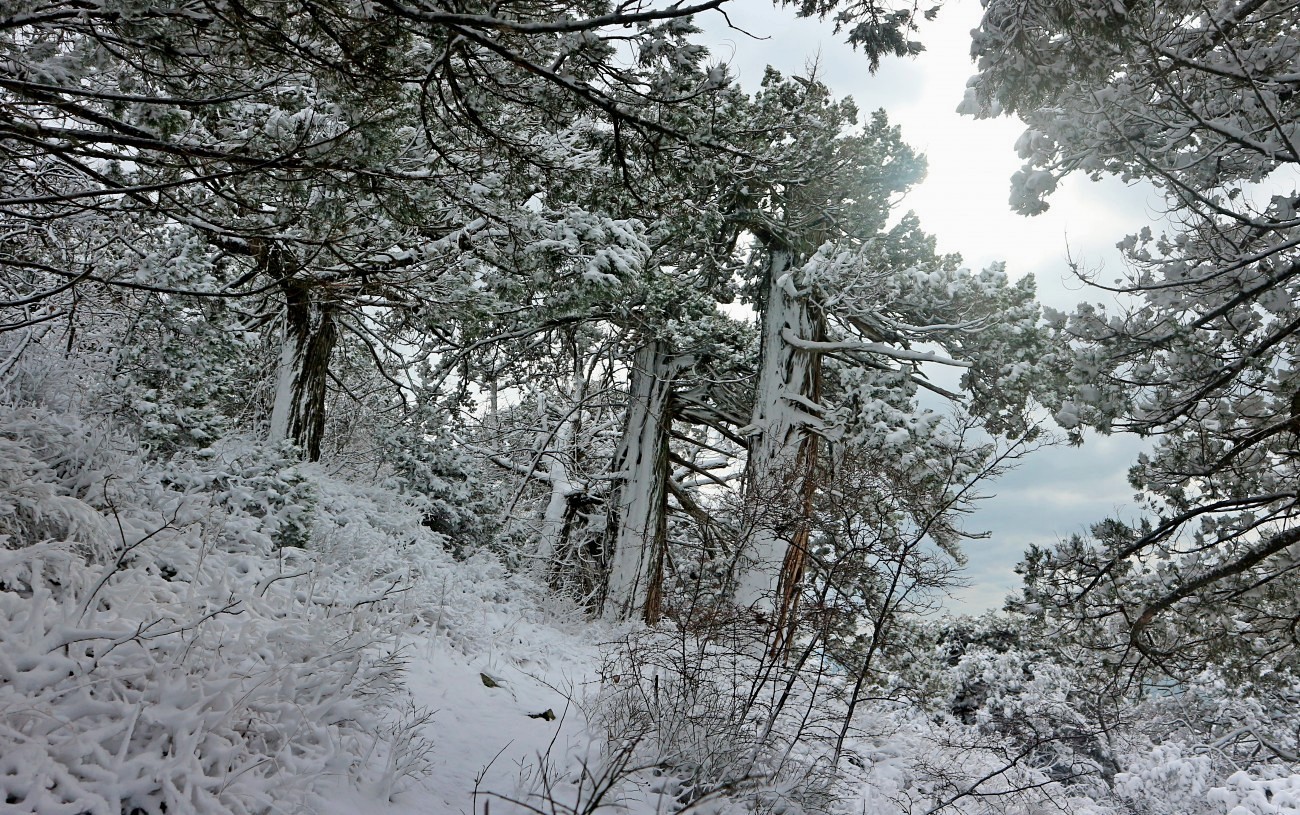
485 744
282 403
194 620
163 650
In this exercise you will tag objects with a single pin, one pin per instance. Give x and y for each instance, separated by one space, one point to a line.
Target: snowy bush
263 495
1176 777
181 374
163 648
711 719
705 722
1243 793
901 762
437 477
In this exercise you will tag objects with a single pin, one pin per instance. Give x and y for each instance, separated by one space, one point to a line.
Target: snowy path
487 738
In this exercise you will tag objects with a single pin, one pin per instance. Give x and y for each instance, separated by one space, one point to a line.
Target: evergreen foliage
339 338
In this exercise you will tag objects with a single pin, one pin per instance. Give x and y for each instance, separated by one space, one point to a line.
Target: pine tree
1197 100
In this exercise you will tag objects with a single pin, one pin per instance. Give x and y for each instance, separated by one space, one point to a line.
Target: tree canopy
1198 101
345 341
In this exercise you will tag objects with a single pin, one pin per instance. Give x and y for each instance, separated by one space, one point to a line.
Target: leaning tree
855 313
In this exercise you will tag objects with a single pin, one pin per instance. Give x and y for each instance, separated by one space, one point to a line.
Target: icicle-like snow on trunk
782 454
637 527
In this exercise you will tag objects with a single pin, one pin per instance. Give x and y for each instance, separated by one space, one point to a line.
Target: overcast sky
963 201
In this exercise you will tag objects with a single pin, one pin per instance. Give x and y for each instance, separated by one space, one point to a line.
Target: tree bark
781 477
310 335
569 542
636 529
552 544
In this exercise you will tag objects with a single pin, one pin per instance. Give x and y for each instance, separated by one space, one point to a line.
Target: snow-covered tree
1199 101
854 311
342 157
345 159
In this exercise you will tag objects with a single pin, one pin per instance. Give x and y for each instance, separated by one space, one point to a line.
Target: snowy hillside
234 631
495 408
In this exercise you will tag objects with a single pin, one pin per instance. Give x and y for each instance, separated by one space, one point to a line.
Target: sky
964 202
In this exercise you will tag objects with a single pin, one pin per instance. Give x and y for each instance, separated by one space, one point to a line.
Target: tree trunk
552 543
310 335
781 472
636 530
569 542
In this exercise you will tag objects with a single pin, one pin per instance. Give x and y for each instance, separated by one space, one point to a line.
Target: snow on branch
870 347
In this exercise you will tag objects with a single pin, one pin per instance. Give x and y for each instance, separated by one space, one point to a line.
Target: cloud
1056 493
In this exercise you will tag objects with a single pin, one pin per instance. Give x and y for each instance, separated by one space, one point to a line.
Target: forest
496 406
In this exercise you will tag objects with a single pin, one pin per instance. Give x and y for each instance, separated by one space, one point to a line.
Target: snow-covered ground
502 688
234 631
238 632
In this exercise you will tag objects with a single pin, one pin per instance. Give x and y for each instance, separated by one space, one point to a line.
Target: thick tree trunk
636 529
781 472
310 335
